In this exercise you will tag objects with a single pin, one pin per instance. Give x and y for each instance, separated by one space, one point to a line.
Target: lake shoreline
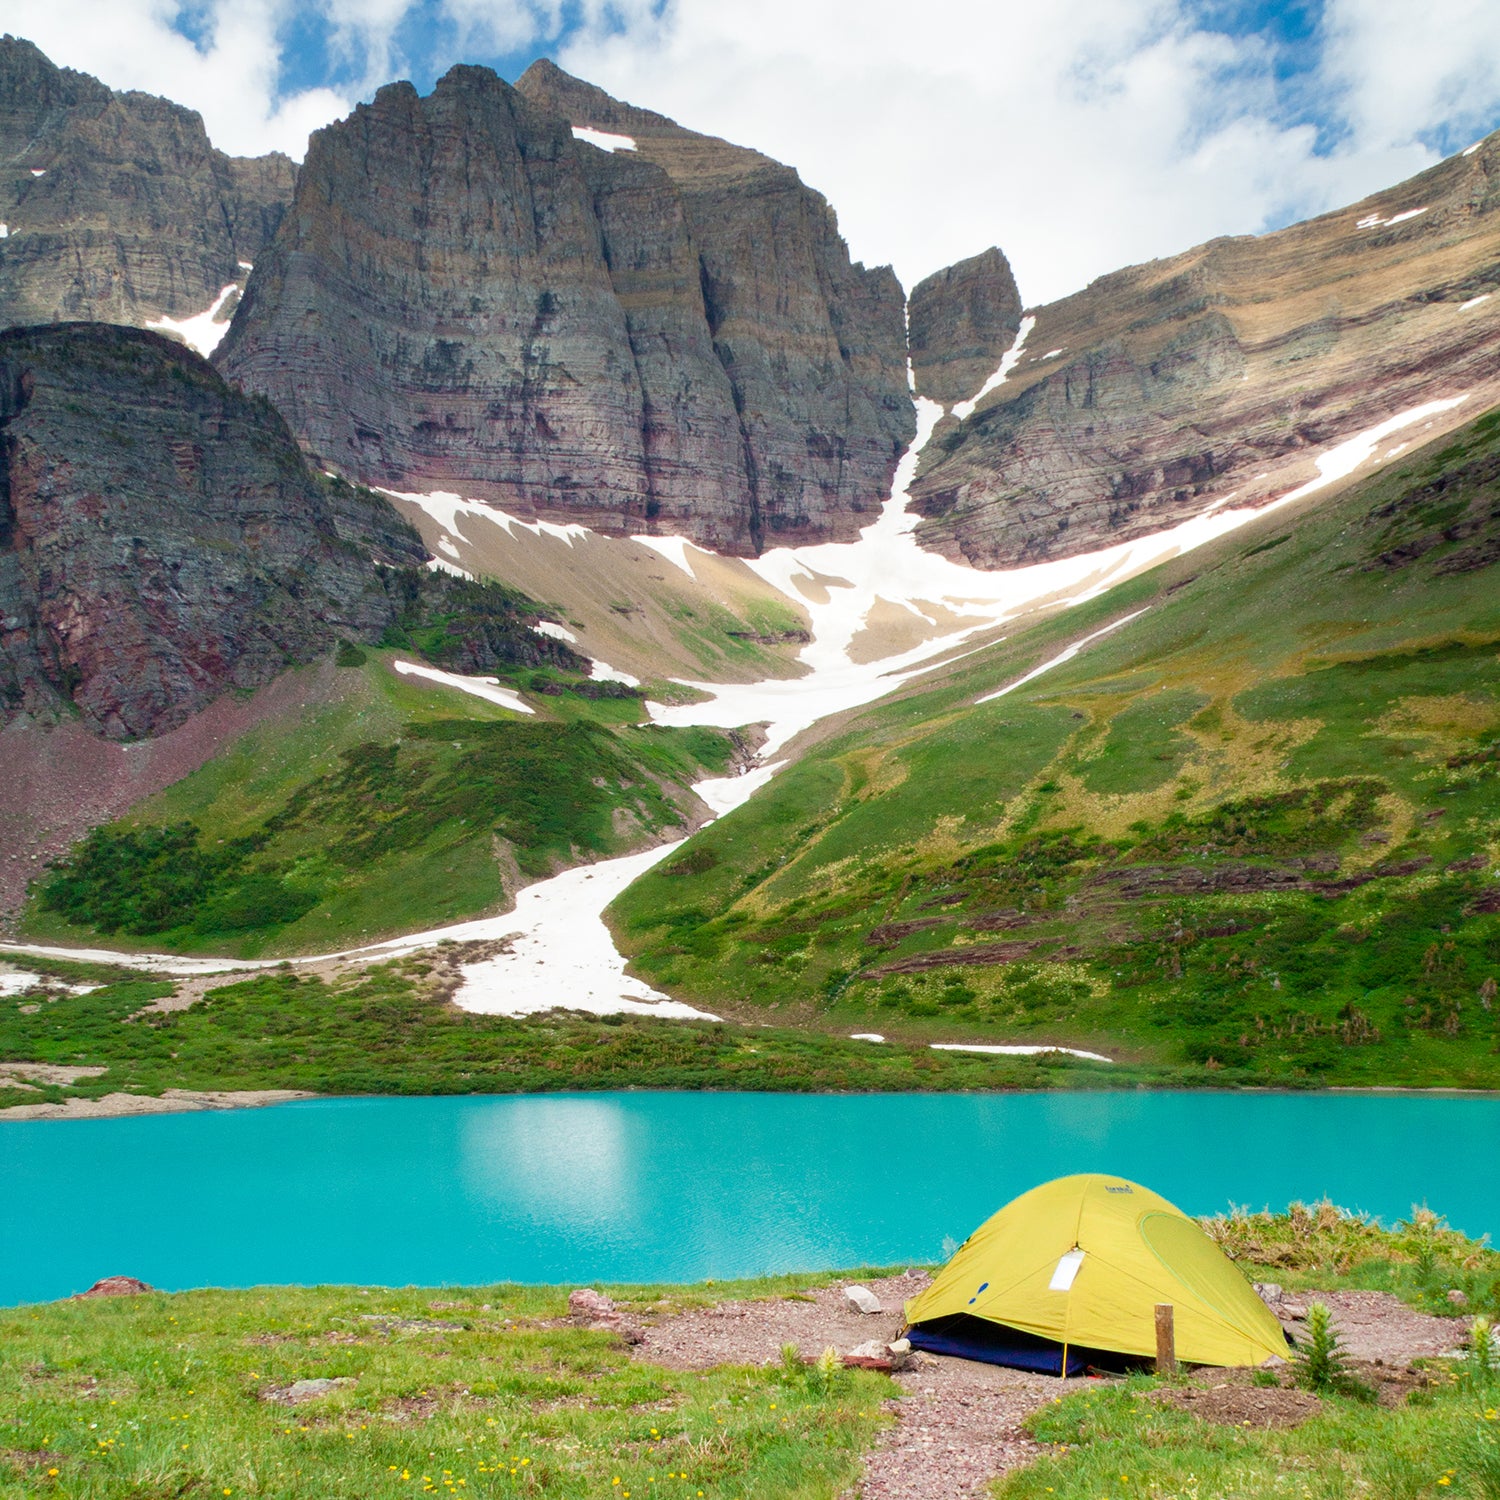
171 1101
182 1101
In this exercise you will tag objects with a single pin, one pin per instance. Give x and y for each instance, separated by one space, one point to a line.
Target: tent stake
1166 1340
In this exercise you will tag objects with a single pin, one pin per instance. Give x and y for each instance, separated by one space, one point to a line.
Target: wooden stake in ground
1166 1340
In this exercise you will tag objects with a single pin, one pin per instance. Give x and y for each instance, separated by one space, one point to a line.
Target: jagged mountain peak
1165 390
671 338
116 206
960 322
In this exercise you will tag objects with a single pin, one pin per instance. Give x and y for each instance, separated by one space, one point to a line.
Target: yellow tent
1077 1266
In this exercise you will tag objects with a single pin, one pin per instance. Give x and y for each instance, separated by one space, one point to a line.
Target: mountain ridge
573 332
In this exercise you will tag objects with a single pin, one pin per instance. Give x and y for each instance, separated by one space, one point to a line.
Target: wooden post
1166 1340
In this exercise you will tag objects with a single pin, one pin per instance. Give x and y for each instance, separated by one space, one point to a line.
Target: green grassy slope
399 804
1254 830
455 1392
490 1391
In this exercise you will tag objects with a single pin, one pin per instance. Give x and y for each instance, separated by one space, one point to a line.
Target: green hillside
393 805
1255 830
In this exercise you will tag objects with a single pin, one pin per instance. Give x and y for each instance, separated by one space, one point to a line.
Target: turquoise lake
674 1187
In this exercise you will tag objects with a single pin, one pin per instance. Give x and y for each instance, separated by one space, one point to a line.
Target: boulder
116 1286
589 1306
862 1299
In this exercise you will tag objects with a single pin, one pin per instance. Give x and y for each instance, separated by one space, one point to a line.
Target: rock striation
961 321
115 206
670 338
162 540
1168 389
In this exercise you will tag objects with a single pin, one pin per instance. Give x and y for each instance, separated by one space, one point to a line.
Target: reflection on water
673 1187
564 1162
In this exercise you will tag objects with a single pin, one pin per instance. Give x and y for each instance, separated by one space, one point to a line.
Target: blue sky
1079 135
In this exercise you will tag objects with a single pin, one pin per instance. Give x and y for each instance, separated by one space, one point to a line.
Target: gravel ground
1379 1326
171 1101
958 1423
957 1426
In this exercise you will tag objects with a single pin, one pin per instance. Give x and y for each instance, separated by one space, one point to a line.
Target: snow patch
1016 1051
438 565
39 171
1474 301
1470 150
673 548
487 688
601 671
965 408
1059 659
203 331
445 544
1050 354
556 631
1374 221
4 231
605 140
865 1036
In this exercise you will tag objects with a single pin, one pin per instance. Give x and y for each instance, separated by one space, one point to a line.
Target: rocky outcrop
162 540
115 206
961 321
669 338
1166 390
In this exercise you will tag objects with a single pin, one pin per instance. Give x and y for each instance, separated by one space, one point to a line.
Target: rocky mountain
162 541
115 206
1166 389
961 321
663 336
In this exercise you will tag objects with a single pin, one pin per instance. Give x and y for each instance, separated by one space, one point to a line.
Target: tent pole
1062 1374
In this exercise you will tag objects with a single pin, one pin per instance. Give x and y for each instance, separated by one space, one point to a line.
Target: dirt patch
24 1073
1238 1403
958 1425
27 1460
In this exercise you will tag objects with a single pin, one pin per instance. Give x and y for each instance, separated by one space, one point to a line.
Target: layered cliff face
1165 390
162 540
115 206
668 338
961 321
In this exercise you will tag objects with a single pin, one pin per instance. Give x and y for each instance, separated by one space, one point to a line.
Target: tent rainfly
1070 1274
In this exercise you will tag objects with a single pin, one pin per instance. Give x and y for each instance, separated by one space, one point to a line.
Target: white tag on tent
1066 1272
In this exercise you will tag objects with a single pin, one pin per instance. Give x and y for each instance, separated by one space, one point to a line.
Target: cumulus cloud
1079 135
229 76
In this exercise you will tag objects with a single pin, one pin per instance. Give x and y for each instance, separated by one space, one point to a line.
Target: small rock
862 1298
1458 1298
1269 1292
870 1349
1293 1310
116 1286
304 1390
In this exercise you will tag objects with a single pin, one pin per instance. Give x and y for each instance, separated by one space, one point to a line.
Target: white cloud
230 80
1079 135
1405 69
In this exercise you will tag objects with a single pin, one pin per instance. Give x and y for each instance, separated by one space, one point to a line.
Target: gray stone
863 1299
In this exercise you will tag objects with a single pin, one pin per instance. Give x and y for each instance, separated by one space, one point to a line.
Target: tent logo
1123 1187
